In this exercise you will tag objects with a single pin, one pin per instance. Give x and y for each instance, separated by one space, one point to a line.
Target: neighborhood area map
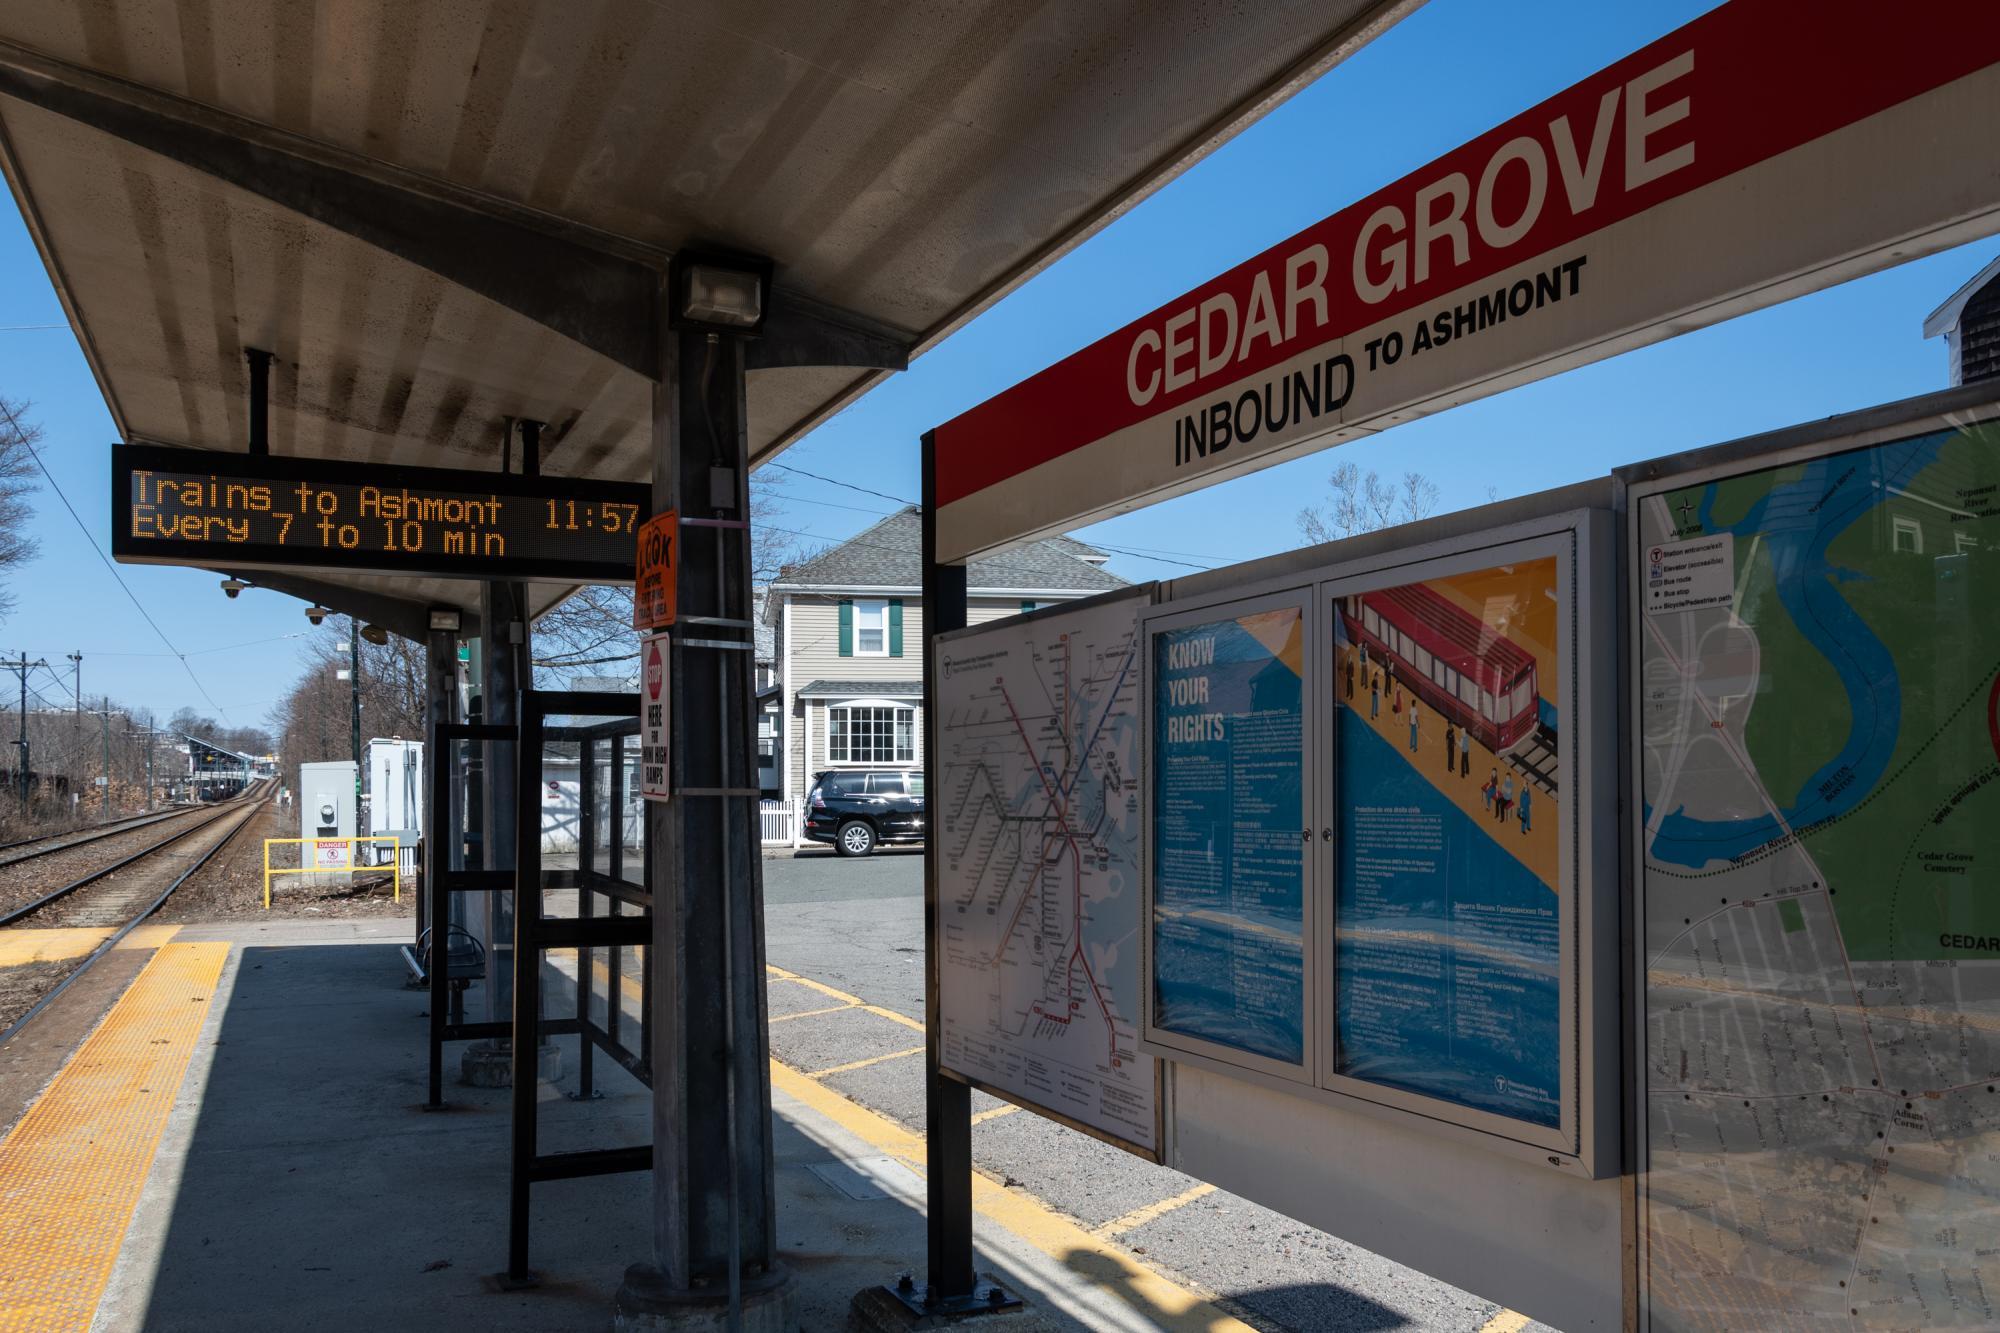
1037 810
1819 724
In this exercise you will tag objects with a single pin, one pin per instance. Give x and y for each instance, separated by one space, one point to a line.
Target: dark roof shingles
890 555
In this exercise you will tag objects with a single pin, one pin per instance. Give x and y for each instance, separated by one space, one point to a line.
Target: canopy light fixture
719 292
445 619
375 634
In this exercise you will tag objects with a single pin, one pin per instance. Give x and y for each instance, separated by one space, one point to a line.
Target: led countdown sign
217 510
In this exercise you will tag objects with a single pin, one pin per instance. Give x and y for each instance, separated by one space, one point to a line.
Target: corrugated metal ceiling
908 163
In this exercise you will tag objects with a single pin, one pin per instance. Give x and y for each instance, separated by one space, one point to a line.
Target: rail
89 833
57 895
246 807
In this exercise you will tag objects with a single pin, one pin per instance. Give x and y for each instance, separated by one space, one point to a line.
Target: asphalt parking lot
845 942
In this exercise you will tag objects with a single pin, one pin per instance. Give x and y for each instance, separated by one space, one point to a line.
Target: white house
848 627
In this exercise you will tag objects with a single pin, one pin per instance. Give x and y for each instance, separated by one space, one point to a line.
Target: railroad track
124 893
27 849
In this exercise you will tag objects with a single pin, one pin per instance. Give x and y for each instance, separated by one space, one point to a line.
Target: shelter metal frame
535 933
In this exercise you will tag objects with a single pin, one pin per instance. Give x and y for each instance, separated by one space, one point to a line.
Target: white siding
809 650
815 652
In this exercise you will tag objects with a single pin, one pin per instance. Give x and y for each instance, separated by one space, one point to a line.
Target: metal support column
260 399
503 625
947 1102
714 1210
440 709
354 709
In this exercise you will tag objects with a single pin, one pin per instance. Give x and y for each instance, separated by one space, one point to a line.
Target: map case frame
960 642
1587 1140
1776 1258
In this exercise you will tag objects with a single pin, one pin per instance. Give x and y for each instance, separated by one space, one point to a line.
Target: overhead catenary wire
1188 559
22 434
834 481
991 562
219 648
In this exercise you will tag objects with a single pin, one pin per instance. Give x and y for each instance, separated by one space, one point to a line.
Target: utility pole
354 681
150 734
76 719
105 714
23 667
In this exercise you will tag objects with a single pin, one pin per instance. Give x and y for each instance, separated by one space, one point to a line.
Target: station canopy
441 217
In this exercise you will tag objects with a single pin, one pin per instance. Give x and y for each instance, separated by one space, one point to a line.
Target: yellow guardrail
325 850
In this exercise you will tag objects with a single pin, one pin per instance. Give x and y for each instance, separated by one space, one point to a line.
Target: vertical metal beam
260 399
586 870
615 804
438 829
527 1000
531 448
441 707
714 1205
503 619
354 713
947 1102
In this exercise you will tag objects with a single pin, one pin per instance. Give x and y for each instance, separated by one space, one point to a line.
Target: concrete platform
297 1184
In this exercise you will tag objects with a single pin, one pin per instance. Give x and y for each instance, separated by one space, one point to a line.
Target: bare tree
18 436
314 721
591 632
1361 501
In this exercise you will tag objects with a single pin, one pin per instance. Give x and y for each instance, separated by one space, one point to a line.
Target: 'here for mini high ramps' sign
655 717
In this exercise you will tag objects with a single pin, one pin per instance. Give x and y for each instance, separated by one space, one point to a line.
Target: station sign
1744 159
222 511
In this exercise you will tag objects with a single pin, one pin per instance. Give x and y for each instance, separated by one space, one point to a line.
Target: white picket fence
783 823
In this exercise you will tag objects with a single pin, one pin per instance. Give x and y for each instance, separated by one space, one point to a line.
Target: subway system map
1037 812
1819 724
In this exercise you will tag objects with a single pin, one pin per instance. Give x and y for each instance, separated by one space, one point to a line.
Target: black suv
856 808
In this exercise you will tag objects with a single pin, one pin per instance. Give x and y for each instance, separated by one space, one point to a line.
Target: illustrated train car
1479 679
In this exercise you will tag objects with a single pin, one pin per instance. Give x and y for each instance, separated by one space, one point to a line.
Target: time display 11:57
598 516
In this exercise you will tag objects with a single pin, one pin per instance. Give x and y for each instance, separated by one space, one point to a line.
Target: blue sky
1452 70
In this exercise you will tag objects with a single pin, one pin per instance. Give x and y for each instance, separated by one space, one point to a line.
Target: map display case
1037 803
1419 747
1816 720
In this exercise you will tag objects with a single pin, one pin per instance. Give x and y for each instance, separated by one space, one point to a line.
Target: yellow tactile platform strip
19 946
72 1169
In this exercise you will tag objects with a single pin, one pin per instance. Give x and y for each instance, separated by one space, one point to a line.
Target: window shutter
895 627
847 627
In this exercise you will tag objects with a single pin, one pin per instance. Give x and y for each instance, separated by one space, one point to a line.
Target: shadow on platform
300 1185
